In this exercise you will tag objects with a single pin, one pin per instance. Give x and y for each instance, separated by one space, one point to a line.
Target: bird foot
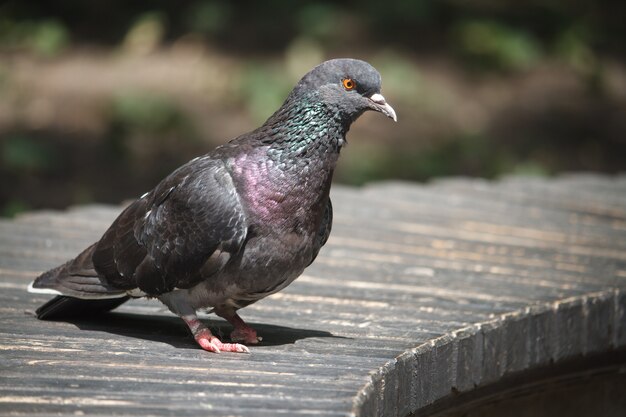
210 343
245 335
242 332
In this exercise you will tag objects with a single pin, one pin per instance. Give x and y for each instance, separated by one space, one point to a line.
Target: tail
62 307
78 288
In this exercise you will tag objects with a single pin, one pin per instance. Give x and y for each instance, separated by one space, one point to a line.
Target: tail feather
76 278
61 307
79 290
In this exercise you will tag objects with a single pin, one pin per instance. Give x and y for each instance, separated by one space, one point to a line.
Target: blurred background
100 99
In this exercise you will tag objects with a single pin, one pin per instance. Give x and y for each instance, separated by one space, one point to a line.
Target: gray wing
324 230
180 233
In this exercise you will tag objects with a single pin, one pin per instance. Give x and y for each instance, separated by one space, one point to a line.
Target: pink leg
242 333
207 341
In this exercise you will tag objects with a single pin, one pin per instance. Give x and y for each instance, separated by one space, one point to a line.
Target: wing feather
165 240
183 231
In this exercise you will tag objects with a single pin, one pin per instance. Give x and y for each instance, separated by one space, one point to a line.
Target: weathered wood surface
405 264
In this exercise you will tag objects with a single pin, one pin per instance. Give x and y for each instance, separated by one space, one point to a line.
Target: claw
245 335
242 332
207 341
207 345
211 343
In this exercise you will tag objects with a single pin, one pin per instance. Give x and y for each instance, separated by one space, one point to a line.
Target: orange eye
348 84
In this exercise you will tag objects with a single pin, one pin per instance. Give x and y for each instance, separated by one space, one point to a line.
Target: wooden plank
406 264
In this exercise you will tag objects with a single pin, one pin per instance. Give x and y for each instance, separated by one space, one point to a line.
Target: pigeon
230 227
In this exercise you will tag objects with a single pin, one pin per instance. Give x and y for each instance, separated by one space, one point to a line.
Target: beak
378 103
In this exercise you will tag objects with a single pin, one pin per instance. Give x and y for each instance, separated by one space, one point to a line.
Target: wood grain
406 266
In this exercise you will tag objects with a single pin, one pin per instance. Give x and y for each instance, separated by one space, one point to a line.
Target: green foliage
263 88
14 207
529 169
144 127
208 17
318 21
146 33
574 46
401 76
4 77
465 155
21 154
47 37
488 44
146 112
409 42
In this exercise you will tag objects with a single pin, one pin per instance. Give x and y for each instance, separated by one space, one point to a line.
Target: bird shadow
172 330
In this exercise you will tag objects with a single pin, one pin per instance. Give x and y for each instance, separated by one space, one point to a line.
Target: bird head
349 86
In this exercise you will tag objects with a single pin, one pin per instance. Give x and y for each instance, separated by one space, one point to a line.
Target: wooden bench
423 293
